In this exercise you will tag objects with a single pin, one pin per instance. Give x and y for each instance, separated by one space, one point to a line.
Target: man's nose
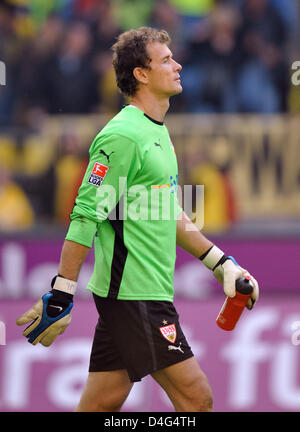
178 66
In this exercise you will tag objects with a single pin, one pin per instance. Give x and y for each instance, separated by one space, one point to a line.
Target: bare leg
105 391
186 385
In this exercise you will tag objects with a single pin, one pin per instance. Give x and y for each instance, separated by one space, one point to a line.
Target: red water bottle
233 307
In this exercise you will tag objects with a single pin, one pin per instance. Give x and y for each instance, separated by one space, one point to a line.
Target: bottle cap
244 285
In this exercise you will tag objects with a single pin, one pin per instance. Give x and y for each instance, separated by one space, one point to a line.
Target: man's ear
140 74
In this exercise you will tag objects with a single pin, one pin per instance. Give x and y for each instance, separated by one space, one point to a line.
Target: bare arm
190 238
57 304
226 272
72 257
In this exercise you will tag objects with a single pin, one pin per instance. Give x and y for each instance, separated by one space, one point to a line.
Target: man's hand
226 270
51 314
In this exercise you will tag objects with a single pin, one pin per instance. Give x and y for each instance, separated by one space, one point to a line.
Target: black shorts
140 336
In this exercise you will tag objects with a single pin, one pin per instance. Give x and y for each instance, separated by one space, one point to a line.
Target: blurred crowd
236 57
235 54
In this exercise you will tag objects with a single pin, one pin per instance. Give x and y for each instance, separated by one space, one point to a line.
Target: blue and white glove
226 270
51 314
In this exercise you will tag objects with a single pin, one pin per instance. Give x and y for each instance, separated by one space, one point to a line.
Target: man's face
163 77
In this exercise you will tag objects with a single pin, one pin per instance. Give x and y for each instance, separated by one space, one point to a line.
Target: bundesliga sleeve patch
98 174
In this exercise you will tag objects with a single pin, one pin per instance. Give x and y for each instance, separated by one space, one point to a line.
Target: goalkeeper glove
51 314
226 270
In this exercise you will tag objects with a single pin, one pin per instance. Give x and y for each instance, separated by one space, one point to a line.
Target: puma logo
173 347
106 155
157 144
57 307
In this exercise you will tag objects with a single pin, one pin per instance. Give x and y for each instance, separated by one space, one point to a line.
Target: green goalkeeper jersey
128 201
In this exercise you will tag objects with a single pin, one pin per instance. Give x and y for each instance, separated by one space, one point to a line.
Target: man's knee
206 398
105 391
198 395
112 404
103 403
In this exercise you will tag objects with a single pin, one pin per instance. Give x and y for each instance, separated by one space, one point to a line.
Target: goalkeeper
138 332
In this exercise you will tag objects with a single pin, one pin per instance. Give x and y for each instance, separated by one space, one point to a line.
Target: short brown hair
130 52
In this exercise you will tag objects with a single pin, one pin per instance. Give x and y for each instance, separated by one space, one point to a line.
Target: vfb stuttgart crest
169 332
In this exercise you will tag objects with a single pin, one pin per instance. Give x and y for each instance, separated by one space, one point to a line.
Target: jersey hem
101 293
